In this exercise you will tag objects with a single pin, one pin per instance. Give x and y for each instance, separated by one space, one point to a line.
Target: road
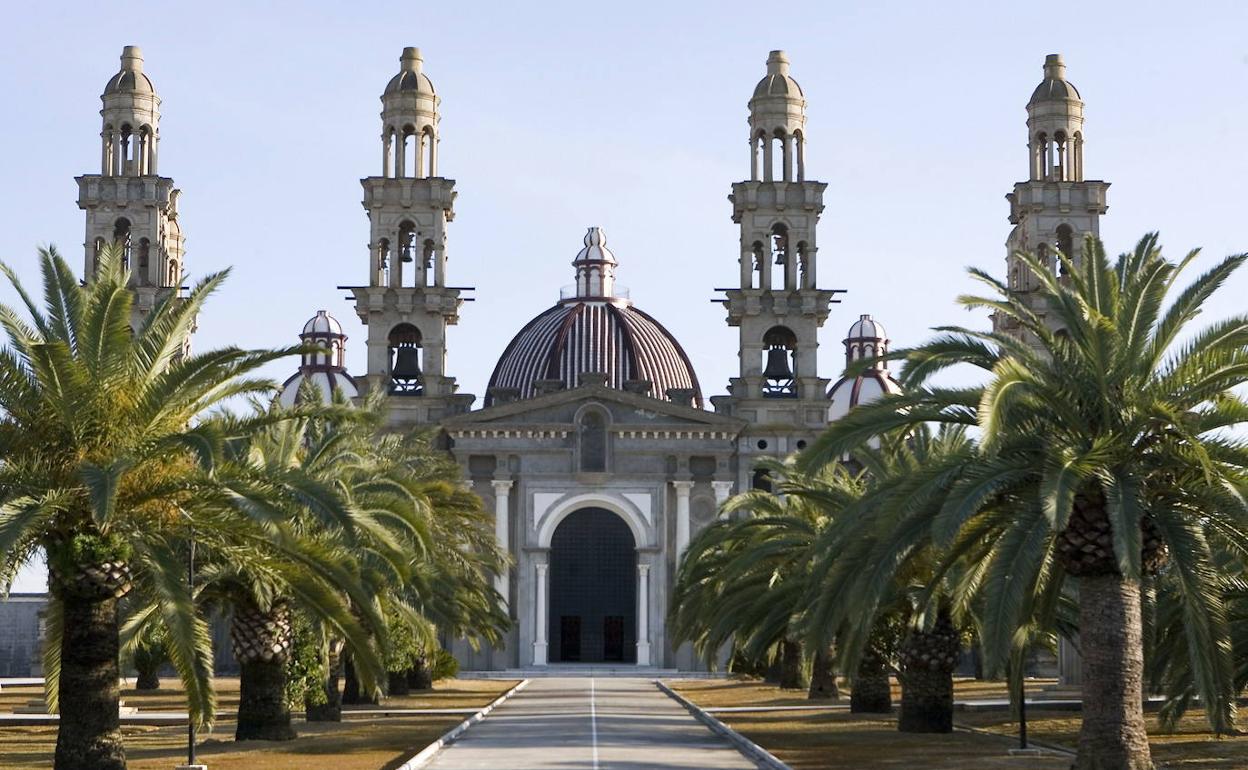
590 724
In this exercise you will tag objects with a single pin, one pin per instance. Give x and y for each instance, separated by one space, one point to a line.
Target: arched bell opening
593 589
780 351
782 265
406 378
121 238
1066 242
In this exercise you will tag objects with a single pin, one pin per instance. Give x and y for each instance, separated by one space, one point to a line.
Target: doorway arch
593 589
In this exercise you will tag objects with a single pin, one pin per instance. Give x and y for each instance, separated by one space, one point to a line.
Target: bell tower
777 308
1056 207
406 303
128 203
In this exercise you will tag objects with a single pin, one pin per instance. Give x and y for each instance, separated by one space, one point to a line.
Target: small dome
131 78
866 328
410 77
866 339
325 382
595 331
322 324
1055 86
777 81
848 392
324 367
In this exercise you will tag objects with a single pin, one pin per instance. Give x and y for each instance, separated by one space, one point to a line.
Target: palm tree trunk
928 659
261 641
396 683
926 701
790 665
352 693
823 677
1113 736
331 709
89 735
262 711
147 662
420 675
872 692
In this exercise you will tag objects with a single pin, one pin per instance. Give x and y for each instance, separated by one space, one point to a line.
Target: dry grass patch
1190 745
827 740
357 744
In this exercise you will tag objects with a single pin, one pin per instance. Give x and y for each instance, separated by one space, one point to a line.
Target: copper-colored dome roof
595 331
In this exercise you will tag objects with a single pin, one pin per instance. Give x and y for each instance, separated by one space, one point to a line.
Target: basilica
594 445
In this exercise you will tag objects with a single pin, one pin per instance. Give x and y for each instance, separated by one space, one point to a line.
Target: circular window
801 443
762 443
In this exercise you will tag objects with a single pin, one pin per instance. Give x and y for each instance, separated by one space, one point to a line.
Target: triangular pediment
627 409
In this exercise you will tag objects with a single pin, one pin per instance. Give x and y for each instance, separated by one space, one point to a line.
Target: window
593 438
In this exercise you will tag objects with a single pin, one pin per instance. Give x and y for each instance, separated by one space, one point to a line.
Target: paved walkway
590 724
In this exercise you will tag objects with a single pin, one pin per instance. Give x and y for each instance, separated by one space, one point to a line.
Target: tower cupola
325 366
1055 126
409 120
866 339
131 115
595 267
778 124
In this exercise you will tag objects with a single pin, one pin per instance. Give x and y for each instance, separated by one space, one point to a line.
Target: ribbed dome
325 382
1055 86
322 324
866 328
131 78
595 331
410 77
777 81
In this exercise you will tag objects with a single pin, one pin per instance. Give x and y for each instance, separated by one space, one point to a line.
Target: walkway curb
751 750
427 753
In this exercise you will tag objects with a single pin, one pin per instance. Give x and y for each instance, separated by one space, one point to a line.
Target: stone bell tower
778 308
128 203
406 303
1056 207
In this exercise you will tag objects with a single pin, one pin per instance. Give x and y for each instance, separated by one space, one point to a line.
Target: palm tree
745 578
1102 452
873 573
108 456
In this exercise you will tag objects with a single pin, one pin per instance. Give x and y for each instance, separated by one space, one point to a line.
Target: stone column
643 614
502 533
682 517
723 488
387 169
539 633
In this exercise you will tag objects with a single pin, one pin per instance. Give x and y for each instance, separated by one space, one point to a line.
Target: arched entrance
593 589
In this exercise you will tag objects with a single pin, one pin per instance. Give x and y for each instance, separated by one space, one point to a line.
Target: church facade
594 445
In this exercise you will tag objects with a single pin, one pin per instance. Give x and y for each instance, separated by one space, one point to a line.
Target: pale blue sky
558 116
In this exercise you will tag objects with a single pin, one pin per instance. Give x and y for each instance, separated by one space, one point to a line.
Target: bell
406 255
406 364
778 365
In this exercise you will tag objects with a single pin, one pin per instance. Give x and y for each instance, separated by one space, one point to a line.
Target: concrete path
590 724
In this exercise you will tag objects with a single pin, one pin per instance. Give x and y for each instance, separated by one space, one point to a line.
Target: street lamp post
192 762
